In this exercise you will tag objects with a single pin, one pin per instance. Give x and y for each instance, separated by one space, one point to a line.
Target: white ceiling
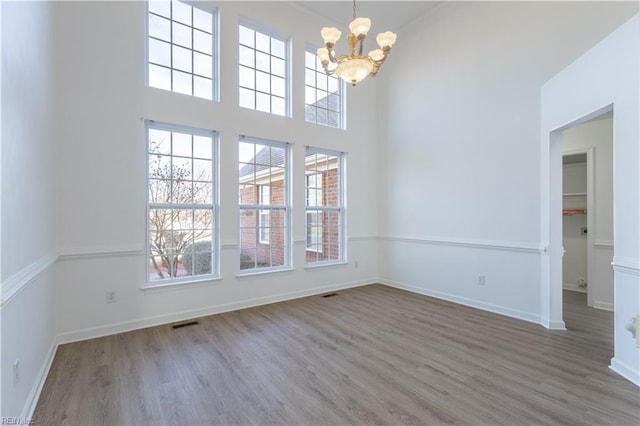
385 15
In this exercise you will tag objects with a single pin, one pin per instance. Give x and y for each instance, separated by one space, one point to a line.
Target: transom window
324 206
181 203
323 96
180 46
263 72
263 170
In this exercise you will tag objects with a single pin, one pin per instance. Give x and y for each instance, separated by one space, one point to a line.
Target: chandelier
354 67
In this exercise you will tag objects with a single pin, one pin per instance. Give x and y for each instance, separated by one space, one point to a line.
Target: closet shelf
572 212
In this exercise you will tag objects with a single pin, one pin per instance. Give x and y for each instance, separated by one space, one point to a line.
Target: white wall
101 178
574 261
606 75
596 134
459 148
28 232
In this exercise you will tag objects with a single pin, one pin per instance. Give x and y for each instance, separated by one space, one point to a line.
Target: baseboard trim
121 327
475 244
34 395
625 371
573 287
496 309
603 306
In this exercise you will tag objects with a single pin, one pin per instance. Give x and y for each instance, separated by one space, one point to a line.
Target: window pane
181 35
247 77
263 42
159 27
262 183
278 48
202 147
261 72
171 42
159 52
278 106
181 12
202 42
177 230
182 82
160 7
246 56
247 98
262 82
159 77
202 65
263 102
246 36
202 87
202 20
262 62
323 94
182 59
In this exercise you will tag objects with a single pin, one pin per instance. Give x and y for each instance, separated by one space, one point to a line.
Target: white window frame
214 49
340 209
269 208
213 206
341 92
264 192
261 29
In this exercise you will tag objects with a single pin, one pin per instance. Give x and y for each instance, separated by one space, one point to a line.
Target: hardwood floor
370 355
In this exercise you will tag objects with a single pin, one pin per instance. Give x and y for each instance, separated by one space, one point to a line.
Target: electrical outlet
480 279
112 297
16 372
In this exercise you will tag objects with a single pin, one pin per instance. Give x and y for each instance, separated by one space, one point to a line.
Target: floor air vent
184 324
330 295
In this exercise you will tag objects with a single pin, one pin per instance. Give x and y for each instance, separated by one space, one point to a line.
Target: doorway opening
587 228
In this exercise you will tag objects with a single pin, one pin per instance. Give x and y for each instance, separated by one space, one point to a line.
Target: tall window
323 96
181 203
263 171
262 72
181 48
324 206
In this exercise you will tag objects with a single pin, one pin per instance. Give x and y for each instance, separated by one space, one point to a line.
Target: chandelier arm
331 57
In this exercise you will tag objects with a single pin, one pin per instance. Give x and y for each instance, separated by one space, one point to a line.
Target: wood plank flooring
370 355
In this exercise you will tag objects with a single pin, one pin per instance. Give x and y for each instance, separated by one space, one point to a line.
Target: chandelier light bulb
386 39
330 35
323 54
376 55
360 26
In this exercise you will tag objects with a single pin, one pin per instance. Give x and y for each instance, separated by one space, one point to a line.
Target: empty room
320 212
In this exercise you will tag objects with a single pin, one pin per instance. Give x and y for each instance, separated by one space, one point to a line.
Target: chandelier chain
354 9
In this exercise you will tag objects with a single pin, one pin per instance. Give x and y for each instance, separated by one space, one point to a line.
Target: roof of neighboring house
331 102
263 160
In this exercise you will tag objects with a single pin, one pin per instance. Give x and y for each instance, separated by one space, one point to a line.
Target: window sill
254 273
323 265
176 285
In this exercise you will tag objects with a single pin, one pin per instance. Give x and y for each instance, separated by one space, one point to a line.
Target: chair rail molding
13 285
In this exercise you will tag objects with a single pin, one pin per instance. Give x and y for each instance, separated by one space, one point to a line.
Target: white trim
625 371
478 244
121 327
603 306
573 287
33 397
603 244
496 309
13 285
228 245
363 238
325 264
71 254
626 265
